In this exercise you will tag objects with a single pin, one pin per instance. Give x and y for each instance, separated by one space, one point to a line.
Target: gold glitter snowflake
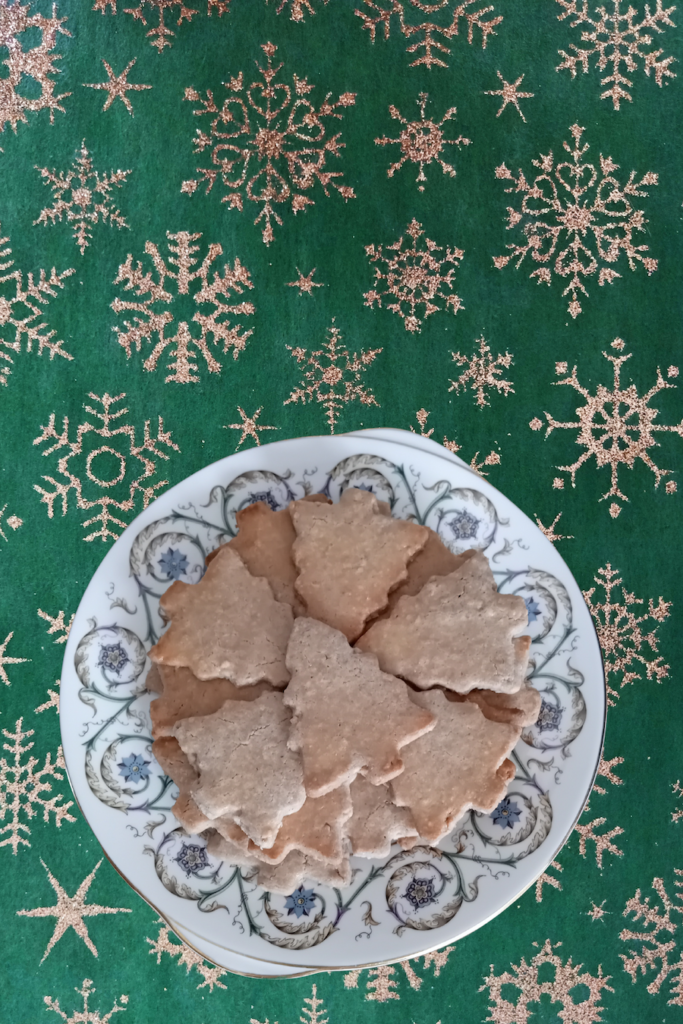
381 983
83 196
576 217
210 296
121 468
5 660
678 793
312 1012
626 644
483 371
616 426
526 979
298 9
416 273
603 840
423 141
618 39
85 1015
334 376
657 939
187 958
58 625
117 87
546 879
161 35
431 23
21 313
268 143
25 84
25 792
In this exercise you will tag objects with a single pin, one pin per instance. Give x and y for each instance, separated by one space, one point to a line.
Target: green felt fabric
629 838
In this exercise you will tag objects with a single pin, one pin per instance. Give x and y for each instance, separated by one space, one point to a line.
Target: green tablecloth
243 221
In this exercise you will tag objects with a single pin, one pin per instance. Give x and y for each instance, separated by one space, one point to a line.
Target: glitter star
549 531
70 911
305 283
117 85
595 913
509 94
8 661
248 426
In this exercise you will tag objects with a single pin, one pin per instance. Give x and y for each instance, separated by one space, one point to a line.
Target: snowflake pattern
432 24
422 142
5 660
483 371
86 1015
83 195
628 648
124 469
21 313
575 218
161 35
526 979
118 86
618 39
248 426
414 275
298 9
656 939
509 93
25 62
187 957
312 1012
334 376
381 984
492 459
548 879
57 625
677 789
14 522
549 531
211 303
603 840
615 426
25 792
274 131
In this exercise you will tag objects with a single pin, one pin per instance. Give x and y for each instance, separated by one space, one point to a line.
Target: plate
413 901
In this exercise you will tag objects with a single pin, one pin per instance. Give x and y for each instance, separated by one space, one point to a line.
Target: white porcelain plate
414 900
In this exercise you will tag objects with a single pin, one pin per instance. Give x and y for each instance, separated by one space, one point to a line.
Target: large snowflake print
577 219
82 194
566 988
21 312
208 287
616 426
415 275
269 144
627 631
86 1015
111 476
26 85
333 377
432 24
160 35
618 38
656 938
26 792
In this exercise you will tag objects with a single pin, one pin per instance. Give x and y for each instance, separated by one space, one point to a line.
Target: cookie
458 766
519 709
458 632
348 716
222 848
435 559
176 765
246 769
183 695
376 822
297 867
349 557
317 829
153 681
227 626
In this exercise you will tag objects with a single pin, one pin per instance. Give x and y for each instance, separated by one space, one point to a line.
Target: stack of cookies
338 681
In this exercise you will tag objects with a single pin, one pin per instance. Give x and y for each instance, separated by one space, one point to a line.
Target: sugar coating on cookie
183 695
228 625
348 715
316 829
245 767
457 632
455 768
349 557
377 822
